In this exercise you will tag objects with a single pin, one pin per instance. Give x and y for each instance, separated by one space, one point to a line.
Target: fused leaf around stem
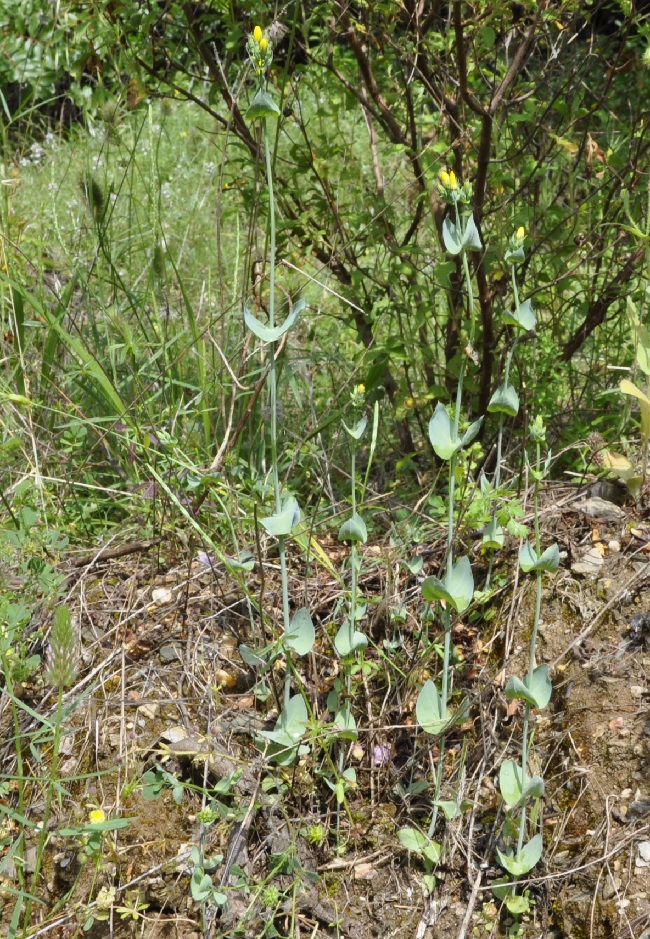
521 863
536 690
282 522
268 334
301 634
456 587
354 529
429 711
516 785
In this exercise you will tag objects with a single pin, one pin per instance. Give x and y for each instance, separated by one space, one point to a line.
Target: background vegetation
134 230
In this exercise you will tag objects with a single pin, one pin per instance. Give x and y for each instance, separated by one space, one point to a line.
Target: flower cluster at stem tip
450 191
259 51
358 395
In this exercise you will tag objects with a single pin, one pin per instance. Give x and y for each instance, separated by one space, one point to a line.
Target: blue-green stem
273 391
446 613
533 643
497 471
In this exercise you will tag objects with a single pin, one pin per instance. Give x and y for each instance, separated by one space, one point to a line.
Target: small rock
644 854
169 654
611 887
614 546
600 508
161 595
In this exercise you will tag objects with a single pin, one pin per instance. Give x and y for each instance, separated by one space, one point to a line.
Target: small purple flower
381 755
204 558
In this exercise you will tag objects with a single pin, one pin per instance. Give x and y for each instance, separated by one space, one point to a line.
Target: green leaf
456 588
451 237
549 560
471 432
301 634
521 863
281 524
493 535
629 388
344 646
524 316
354 529
449 809
289 730
441 433
428 710
345 724
262 105
413 840
245 561
265 333
505 400
537 693
358 430
516 785
471 237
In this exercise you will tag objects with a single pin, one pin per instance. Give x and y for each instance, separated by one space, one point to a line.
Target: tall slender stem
446 614
533 644
273 387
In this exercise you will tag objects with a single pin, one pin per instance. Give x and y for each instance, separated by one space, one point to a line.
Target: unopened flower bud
521 233
264 44
257 34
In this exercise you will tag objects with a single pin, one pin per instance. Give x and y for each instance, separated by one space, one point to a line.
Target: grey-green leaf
549 560
537 693
301 634
262 105
524 316
451 237
493 535
265 333
505 400
358 430
346 645
283 522
526 860
354 529
471 237
516 785
428 710
441 433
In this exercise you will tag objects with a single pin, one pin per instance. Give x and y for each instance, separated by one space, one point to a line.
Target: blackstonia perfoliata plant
350 642
454 590
505 400
518 853
298 631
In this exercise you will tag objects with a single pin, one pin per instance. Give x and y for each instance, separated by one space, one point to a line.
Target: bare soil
162 683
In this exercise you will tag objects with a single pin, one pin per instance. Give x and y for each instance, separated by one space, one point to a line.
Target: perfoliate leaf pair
282 522
456 587
457 238
523 317
548 560
413 840
535 690
265 333
505 400
444 440
517 786
520 864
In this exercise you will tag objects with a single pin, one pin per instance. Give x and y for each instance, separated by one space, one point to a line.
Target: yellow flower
263 44
452 180
445 178
521 233
361 389
409 403
97 816
257 34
